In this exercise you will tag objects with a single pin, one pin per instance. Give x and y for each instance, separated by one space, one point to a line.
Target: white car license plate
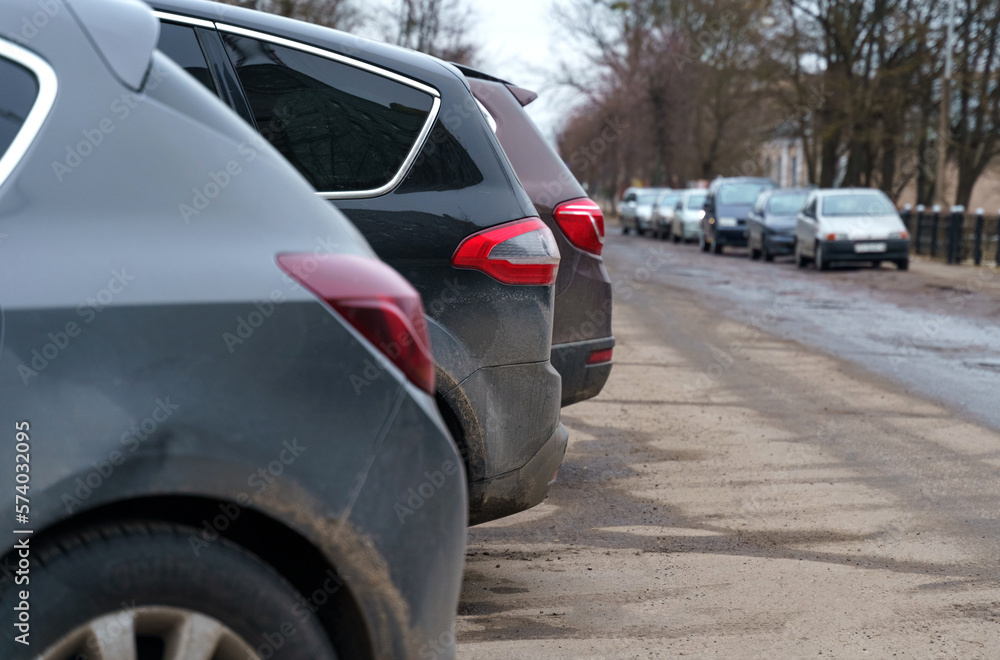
864 248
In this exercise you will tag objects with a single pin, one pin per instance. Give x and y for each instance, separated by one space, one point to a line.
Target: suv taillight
376 301
519 252
583 223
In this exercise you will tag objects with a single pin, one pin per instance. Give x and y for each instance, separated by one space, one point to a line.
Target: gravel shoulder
771 501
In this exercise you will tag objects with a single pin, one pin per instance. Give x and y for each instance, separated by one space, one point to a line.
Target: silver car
688 212
637 209
663 213
850 225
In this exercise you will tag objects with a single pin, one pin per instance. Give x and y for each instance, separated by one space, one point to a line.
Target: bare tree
339 14
975 138
437 27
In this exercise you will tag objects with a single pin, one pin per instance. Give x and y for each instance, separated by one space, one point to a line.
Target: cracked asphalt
784 463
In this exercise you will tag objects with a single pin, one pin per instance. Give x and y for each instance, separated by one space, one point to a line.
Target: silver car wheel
186 635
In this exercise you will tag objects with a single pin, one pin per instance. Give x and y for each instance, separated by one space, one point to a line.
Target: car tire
820 263
92 586
800 259
903 264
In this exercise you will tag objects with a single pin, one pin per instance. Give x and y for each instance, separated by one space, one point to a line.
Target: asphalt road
784 463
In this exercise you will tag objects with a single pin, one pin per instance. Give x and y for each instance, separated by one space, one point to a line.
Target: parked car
688 212
771 223
397 142
637 209
850 225
582 342
727 206
220 397
663 213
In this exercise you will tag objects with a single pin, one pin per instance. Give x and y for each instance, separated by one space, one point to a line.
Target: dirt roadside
785 504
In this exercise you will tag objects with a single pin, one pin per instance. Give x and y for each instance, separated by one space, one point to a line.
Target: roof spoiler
523 96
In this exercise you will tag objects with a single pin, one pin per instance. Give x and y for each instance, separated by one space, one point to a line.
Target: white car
850 225
637 209
688 212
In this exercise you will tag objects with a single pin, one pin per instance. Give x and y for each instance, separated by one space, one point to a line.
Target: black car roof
400 60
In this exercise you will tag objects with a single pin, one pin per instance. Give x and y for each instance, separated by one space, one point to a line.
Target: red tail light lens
376 301
520 252
600 357
583 223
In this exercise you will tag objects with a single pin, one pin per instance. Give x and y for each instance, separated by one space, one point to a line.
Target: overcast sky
518 41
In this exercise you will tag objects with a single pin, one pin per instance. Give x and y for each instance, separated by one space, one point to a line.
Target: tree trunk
828 159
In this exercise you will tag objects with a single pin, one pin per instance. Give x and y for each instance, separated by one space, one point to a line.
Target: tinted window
20 89
696 201
647 199
343 128
443 164
179 43
787 204
860 204
743 194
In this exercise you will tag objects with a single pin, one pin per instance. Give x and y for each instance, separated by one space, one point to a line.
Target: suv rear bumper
735 236
581 381
507 417
519 489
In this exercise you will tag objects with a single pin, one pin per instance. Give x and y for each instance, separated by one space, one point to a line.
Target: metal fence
954 236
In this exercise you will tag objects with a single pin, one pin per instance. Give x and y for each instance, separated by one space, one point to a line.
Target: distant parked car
582 342
663 213
727 207
396 141
221 399
771 222
850 225
637 209
688 212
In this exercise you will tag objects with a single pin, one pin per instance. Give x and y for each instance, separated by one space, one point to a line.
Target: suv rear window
740 194
345 129
20 89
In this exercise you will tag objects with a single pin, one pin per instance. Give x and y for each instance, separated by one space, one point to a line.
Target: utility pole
944 129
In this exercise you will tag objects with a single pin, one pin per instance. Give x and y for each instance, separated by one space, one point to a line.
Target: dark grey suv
219 439
582 342
397 142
